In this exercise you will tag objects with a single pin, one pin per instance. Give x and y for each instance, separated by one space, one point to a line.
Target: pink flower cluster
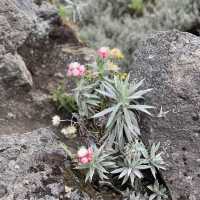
85 155
103 52
76 69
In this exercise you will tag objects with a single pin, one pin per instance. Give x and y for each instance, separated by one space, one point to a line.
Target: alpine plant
105 93
159 192
95 160
124 97
154 159
86 99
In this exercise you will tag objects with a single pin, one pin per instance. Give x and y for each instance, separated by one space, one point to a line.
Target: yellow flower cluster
116 54
121 75
112 67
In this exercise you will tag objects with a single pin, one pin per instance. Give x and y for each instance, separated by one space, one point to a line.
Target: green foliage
137 196
137 6
68 10
101 161
68 152
63 100
64 13
159 192
134 158
106 95
155 160
131 168
122 125
86 99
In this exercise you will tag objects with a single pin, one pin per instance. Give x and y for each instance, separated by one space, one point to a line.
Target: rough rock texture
31 166
13 72
32 63
18 19
170 63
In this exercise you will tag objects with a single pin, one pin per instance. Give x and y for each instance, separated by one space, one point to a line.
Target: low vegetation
110 104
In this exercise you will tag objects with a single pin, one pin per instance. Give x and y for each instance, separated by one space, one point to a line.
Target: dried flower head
69 131
56 120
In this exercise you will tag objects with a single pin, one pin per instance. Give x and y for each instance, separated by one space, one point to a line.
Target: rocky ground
35 48
34 51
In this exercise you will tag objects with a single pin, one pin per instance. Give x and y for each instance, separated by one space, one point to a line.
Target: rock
18 20
15 23
170 63
13 72
31 166
21 21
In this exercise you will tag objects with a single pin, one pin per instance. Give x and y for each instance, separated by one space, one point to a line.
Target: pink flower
84 160
82 152
76 69
76 72
82 69
74 65
85 155
103 52
89 158
69 72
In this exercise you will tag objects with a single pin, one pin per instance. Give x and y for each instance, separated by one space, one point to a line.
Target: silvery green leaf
113 114
153 171
104 112
125 179
116 171
104 93
132 179
153 196
138 173
135 87
123 173
139 94
110 89
142 108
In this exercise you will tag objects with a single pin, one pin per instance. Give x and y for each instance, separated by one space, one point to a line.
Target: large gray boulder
18 20
34 166
13 72
31 166
170 63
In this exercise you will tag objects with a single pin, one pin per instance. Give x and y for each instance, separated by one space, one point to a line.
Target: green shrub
137 6
64 100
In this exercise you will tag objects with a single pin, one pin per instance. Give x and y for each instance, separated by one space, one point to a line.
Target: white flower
69 131
82 152
56 120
